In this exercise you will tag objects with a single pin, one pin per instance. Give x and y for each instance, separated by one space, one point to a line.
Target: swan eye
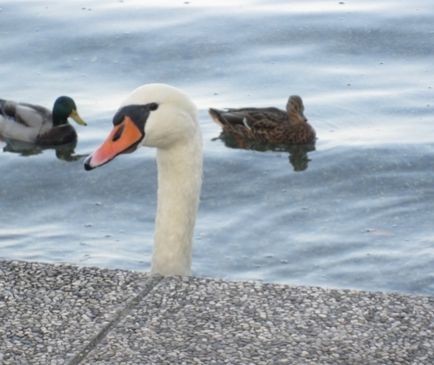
153 106
118 133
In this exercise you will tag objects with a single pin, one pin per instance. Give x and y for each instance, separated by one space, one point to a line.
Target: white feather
245 123
9 128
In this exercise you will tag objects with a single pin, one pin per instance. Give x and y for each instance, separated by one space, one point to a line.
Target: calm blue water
359 216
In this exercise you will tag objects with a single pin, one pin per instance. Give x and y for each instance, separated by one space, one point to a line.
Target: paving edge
150 284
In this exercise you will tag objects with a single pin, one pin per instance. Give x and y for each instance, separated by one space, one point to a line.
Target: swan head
154 115
295 109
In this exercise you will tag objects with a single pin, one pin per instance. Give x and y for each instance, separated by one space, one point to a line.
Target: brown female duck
267 125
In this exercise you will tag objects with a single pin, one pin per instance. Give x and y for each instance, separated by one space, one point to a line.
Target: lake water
359 214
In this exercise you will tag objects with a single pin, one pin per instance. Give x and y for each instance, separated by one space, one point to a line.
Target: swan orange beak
123 138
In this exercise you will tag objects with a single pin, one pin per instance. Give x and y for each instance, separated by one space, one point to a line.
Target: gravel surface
49 312
65 315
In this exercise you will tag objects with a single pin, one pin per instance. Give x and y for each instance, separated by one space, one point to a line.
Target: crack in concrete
151 283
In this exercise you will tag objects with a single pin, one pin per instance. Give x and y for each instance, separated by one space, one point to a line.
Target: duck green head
63 108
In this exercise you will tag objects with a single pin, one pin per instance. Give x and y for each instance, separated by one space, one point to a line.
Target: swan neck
179 185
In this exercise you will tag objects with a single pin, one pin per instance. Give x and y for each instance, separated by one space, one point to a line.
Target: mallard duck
36 124
267 125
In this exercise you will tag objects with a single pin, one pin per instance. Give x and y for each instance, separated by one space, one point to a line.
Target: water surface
358 215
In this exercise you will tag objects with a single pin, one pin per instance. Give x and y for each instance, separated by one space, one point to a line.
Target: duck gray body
267 125
36 124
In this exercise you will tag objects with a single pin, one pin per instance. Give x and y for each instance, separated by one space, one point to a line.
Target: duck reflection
65 152
297 153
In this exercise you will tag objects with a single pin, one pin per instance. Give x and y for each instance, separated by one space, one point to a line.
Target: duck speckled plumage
36 124
267 125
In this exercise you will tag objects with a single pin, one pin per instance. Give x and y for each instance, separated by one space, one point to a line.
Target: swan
36 124
162 116
266 125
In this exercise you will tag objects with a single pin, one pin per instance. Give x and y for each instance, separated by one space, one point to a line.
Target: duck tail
217 117
2 105
2 124
2 116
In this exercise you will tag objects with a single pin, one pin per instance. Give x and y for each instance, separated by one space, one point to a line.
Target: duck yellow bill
123 137
74 115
